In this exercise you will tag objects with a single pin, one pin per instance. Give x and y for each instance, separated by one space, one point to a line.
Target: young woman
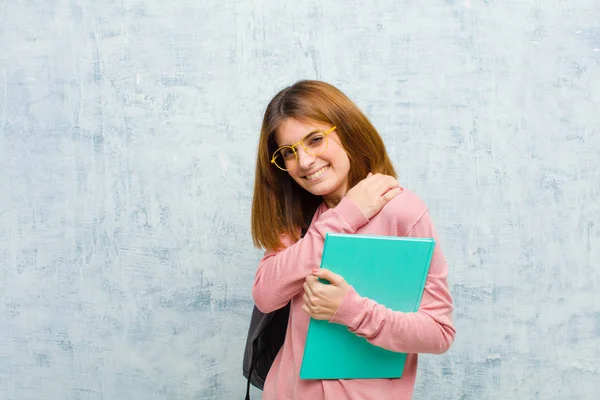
321 165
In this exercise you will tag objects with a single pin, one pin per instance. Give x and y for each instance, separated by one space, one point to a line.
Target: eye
316 139
287 153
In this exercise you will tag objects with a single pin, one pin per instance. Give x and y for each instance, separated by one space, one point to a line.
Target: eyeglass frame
301 142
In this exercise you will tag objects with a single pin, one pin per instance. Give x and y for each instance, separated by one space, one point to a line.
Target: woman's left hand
321 301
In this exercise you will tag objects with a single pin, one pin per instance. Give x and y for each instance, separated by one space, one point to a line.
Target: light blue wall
128 132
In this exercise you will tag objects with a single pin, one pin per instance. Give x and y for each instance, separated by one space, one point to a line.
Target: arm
280 275
429 330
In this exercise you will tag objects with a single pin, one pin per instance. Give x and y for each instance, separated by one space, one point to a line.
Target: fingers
332 277
386 191
308 289
390 194
307 301
313 288
381 183
312 281
368 194
387 183
373 175
309 307
306 309
309 293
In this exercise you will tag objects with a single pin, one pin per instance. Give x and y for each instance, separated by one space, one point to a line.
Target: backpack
265 338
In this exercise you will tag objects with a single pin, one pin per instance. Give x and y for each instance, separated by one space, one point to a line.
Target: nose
305 160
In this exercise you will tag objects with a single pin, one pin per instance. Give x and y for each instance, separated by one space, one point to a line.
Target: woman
322 165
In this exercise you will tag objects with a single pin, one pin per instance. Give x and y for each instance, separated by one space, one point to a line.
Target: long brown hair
279 204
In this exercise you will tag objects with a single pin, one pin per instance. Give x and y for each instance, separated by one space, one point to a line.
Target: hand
321 301
373 192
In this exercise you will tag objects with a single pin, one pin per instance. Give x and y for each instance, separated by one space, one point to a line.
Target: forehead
292 130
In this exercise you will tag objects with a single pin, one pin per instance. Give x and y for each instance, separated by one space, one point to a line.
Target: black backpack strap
248 385
248 382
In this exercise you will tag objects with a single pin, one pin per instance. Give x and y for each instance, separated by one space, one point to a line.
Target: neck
333 199
330 203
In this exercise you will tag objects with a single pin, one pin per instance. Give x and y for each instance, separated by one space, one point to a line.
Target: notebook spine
424 278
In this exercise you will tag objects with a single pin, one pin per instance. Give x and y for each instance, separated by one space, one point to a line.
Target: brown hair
279 204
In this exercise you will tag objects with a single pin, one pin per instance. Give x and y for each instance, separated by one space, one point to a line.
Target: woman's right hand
373 192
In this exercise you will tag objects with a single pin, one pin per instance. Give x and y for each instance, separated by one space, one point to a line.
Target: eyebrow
309 133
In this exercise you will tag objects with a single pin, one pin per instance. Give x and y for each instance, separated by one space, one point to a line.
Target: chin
318 192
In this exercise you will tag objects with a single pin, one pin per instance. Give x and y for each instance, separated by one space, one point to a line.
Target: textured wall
128 132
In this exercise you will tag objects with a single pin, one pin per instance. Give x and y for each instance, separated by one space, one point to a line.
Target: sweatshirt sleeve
429 330
281 274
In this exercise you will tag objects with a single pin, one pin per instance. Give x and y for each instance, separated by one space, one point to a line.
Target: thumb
332 277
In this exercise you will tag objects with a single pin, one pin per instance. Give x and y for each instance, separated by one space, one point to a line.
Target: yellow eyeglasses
314 144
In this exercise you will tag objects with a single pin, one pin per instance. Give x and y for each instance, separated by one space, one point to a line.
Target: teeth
317 174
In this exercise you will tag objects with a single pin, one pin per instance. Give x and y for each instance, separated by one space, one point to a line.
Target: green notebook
388 269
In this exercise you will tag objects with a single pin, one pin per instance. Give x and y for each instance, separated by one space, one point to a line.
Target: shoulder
285 240
404 211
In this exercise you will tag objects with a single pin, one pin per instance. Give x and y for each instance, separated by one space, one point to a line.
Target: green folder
388 269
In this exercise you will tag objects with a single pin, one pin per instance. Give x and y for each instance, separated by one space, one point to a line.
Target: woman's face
323 175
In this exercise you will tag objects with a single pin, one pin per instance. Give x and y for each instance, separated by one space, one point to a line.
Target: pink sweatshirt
280 277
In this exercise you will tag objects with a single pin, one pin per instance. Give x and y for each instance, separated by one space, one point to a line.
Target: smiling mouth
317 174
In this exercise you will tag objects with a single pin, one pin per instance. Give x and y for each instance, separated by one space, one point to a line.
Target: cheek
294 177
341 159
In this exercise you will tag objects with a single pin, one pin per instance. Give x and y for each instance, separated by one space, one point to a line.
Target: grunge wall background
128 132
